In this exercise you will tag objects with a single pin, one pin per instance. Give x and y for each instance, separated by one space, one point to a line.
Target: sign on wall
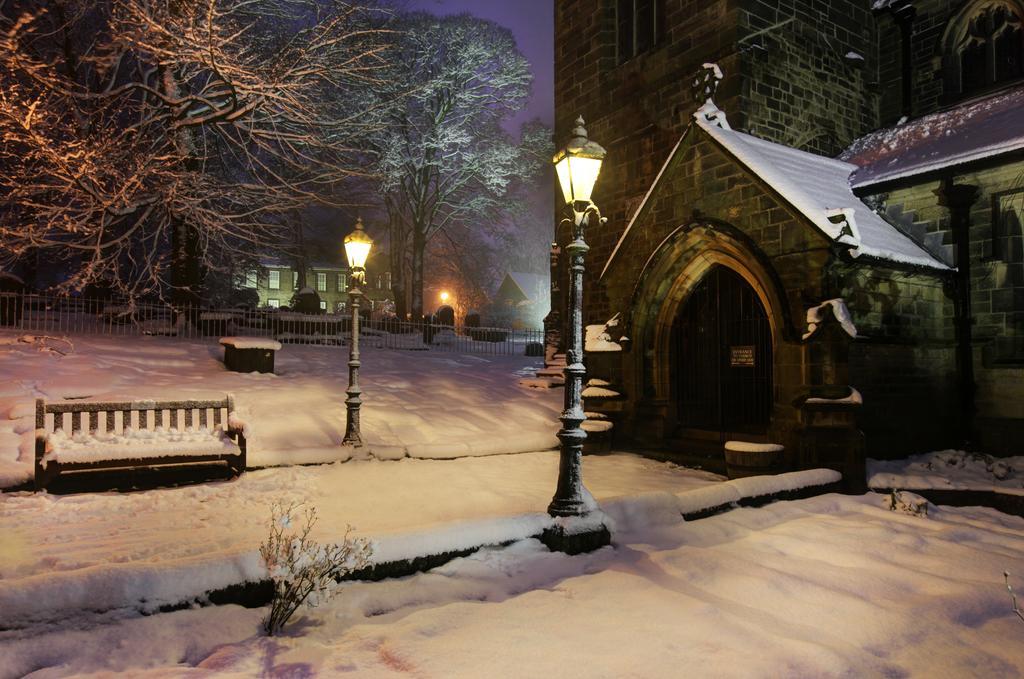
741 356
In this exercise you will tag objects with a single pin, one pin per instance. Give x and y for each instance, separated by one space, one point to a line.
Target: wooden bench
70 438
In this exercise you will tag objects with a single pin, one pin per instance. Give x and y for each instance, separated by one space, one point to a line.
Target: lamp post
357 249
577 166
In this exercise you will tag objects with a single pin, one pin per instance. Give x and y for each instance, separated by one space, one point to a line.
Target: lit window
638 25
295 280
323 305
274 303
274 280
250 279
342 282
321 282
341 307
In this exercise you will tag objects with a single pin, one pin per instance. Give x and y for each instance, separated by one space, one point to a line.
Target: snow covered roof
532 284
974 130
819 188
816 186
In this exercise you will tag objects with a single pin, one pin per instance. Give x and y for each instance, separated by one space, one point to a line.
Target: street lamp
577 166
357 249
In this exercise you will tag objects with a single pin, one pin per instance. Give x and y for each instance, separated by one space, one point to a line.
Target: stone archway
670 276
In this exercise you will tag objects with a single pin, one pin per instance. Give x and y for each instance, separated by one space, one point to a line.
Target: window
323 305
295 280
340 308
1008 225
985 46
274 279
342 282
637 26
321 282
274 303
250 278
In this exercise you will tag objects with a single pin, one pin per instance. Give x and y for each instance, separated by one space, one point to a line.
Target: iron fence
53 315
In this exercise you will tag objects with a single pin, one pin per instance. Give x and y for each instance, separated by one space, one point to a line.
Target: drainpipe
904 16
958 199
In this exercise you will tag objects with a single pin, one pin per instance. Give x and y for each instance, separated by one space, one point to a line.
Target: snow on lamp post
577 166
357 249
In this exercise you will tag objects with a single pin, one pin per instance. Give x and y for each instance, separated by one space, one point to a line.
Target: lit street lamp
444 297
577 167
357 249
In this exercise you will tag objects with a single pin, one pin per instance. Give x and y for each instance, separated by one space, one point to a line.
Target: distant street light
444 297
577 166
357 250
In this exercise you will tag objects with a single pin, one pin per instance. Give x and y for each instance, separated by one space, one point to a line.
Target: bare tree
144 142
444 158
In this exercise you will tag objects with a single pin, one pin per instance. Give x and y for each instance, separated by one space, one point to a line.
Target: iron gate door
722 357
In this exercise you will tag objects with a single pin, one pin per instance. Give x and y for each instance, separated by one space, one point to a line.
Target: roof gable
815 186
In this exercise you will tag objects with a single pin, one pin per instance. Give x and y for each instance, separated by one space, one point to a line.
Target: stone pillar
553 322
828 433
958 199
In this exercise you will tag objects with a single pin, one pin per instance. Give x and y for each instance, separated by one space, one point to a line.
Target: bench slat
88 406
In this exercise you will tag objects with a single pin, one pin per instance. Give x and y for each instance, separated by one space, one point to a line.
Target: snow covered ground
826 587
416 403
949 470
62 555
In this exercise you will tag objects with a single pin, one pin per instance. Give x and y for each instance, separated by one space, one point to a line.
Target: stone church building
840 205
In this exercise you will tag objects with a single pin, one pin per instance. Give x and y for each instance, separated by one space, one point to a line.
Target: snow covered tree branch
443 157
145 143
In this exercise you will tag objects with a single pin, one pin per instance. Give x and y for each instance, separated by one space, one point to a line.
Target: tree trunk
419 245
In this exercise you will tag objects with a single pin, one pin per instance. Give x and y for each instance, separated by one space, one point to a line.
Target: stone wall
997 294
904 361
808 73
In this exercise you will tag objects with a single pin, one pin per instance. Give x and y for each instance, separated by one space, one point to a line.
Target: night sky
533 24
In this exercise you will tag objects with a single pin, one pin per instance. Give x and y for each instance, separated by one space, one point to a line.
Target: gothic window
986 44
637 26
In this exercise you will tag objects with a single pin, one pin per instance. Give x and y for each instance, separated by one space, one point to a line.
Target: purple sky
533 24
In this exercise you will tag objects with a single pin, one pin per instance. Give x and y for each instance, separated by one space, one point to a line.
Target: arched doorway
722 358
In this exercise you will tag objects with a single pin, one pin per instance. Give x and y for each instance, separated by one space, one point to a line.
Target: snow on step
600 392
750 447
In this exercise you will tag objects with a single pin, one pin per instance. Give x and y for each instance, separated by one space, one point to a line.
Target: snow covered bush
303 571
908 503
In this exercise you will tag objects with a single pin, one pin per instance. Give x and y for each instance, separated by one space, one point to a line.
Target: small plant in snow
908 503
1013 597
303 571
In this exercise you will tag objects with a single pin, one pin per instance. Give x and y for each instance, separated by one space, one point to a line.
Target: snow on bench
135 434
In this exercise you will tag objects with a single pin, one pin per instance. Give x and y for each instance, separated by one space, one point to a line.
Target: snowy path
831 586
416 403
100 551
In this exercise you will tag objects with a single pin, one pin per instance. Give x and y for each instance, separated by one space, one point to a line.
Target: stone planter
752 459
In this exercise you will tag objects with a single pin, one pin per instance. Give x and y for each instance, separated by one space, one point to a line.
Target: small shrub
908 503
1013 597
303 571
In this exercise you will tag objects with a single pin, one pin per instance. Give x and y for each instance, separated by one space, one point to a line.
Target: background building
277 281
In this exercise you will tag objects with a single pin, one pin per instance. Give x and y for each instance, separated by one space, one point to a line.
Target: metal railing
52 315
